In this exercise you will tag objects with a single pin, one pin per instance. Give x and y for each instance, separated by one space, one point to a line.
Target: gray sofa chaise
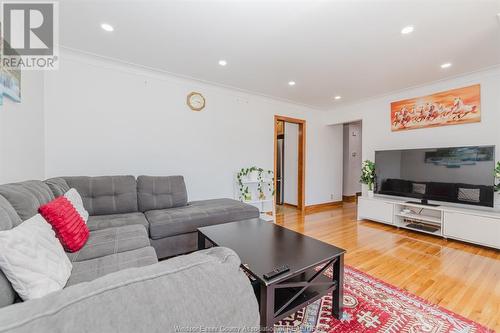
117 283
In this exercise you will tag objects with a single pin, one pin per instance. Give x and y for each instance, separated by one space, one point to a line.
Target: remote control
277 271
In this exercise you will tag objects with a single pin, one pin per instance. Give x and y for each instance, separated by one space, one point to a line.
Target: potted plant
247 196
256 175
260 181
252 174
368 175
242 177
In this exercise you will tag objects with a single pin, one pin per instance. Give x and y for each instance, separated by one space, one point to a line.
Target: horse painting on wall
452 107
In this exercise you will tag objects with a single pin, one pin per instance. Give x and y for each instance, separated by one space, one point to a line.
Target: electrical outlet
331 196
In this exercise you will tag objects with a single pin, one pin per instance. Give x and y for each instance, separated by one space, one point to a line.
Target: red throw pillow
68 225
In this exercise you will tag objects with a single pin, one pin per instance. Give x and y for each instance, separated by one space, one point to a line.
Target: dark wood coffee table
262 246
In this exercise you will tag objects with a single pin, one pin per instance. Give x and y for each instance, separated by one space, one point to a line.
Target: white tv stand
466 224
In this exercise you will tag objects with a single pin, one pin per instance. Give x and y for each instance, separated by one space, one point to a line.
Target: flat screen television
462 175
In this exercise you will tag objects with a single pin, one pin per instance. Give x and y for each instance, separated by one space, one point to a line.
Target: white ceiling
341 47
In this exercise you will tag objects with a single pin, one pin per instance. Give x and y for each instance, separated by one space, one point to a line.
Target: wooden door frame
301 177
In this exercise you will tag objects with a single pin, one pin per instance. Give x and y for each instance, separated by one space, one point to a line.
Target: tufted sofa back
101 196
107 194
27 196
161 192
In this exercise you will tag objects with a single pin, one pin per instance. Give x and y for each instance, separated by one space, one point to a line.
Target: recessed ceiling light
107 27
222 62
338 97
407 30
446 65
291 83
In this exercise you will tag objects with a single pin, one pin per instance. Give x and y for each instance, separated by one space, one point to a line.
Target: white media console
466 224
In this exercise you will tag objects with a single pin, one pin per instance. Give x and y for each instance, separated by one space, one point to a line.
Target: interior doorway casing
301 177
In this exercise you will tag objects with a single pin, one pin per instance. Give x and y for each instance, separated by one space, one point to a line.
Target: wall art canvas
11 83
452 107
1 94
456 157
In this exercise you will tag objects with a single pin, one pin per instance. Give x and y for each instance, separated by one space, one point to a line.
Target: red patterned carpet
371 305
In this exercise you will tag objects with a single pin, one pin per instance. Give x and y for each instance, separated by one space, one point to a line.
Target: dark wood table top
262 246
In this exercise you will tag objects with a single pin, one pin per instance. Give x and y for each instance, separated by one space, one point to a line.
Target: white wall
22 132
352 158
375 114
345 158
291 164
334 160
106 118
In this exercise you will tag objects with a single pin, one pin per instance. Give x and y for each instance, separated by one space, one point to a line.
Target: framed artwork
10 80
452 107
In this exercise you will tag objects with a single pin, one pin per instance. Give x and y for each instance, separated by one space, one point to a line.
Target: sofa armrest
202 289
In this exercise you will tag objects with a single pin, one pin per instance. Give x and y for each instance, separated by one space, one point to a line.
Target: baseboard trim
333 204
349 198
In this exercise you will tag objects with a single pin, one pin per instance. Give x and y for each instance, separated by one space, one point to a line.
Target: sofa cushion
57 185
99 222
76 200
486 194
69 226
112 240
8 216
391 185
33 259
27 196
92 269
418 188
180 220
175 245
161 192
440 191
107 194
8 220
203 289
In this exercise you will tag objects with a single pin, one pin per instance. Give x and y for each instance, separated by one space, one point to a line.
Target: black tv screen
462 175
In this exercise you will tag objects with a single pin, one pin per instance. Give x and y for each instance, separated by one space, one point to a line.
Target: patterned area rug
371 305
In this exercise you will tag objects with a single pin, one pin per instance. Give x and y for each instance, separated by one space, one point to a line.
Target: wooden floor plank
461 277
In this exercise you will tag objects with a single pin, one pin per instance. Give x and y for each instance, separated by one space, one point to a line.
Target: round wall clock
196 101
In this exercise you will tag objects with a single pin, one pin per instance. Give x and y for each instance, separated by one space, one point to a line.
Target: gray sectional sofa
117 282
160 204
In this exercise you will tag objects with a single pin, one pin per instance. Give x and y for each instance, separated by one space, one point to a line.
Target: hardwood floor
460 277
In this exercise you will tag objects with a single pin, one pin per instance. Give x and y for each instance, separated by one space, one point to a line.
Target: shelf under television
424 218
438 232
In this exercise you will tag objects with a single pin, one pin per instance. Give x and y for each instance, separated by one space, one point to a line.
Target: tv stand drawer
376 210
471 228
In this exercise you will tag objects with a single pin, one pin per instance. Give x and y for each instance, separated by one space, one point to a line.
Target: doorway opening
352 159
289 161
